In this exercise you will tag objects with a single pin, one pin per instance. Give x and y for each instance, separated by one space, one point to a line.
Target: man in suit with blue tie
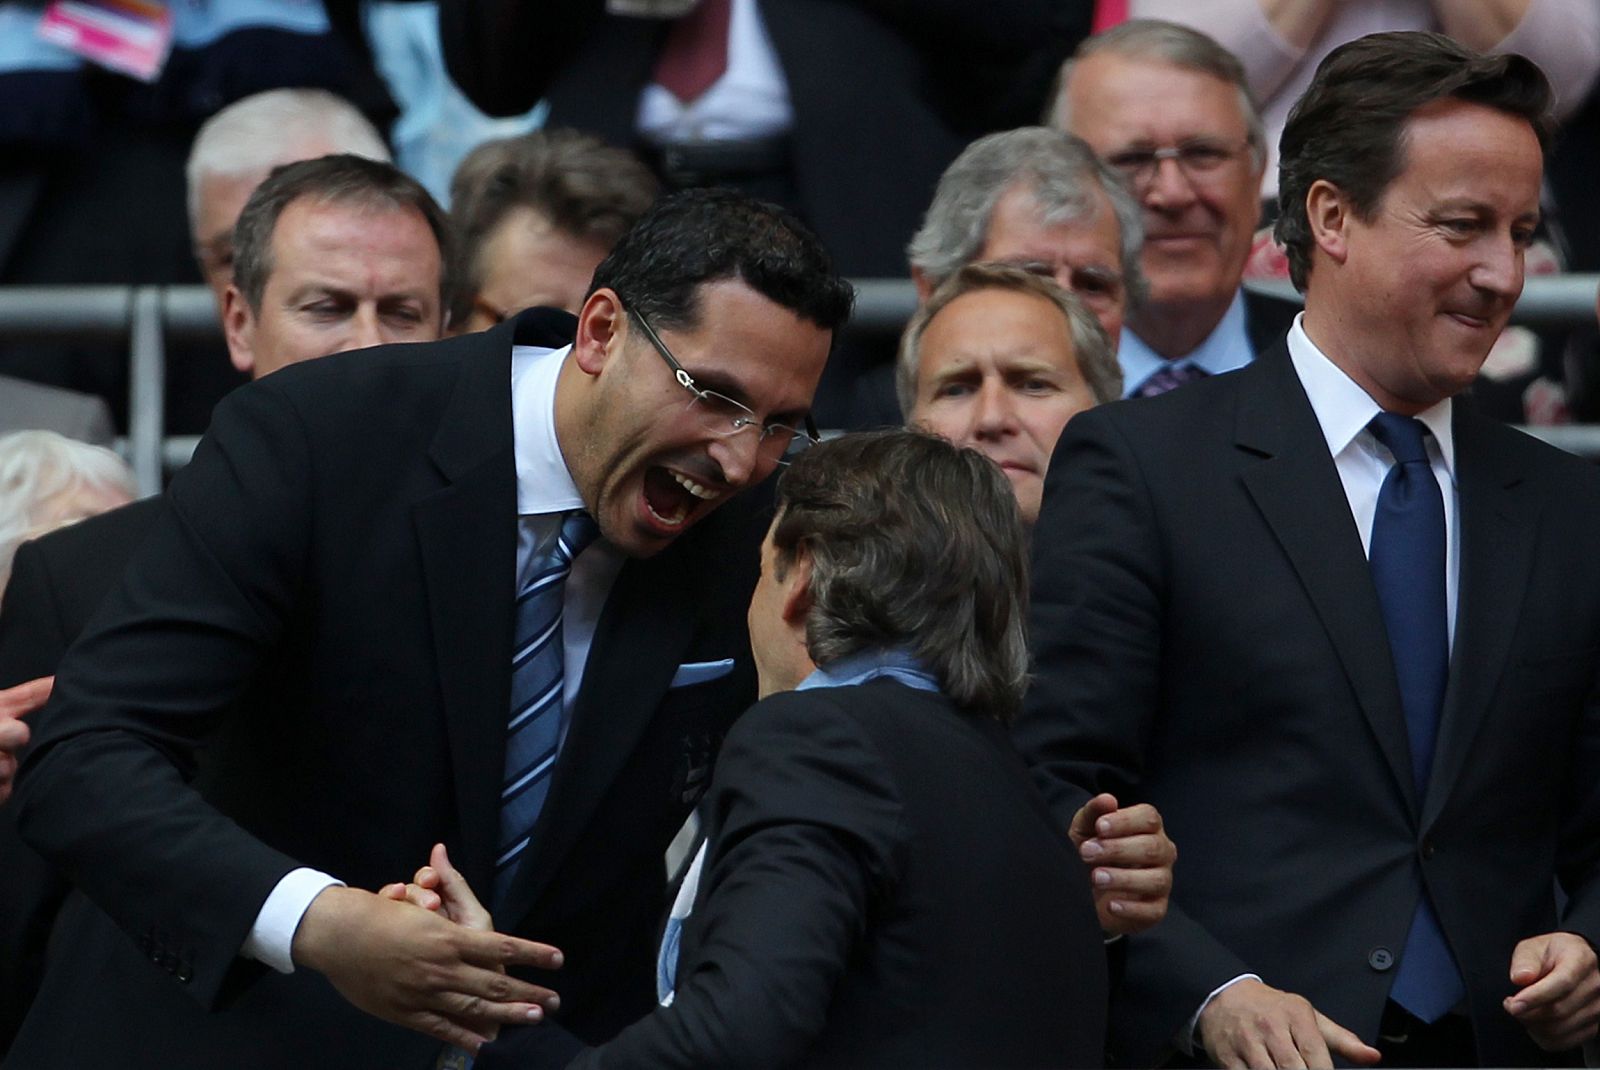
356 567
1340 628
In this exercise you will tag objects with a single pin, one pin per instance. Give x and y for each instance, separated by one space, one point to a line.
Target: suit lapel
1298 490
466 535
1497 522
645 628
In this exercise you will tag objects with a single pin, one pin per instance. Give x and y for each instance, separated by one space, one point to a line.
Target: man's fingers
477 1012
442 1028
498 949
1284 1047
13 734
1341 1041
1133 852
1547 990
1083 822
23 699
474 990
1140 820
1528 960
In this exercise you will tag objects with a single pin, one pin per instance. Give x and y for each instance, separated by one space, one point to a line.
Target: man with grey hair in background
1038 200
1170 110
240 145
999 359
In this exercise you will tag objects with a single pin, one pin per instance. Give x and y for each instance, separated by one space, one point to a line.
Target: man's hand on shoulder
1130 859
1558 1000
16 703
420 970
1251 1024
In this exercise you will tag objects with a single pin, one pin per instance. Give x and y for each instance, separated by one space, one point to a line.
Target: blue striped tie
533 734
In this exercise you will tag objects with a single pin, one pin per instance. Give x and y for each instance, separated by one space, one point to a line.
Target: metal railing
148 317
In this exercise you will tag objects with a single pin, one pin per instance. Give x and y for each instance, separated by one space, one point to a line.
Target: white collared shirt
1225 349
750 100
545 493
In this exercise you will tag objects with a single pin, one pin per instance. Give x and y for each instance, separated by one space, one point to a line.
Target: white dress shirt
1343 411
750 100
545 492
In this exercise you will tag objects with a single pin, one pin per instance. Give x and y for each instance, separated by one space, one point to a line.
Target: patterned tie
695 53
1408 568
533 734
1168 377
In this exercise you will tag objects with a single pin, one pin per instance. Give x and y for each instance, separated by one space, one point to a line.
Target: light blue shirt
896 664
1225 349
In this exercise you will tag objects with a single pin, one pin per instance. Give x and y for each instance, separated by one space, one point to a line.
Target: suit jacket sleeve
805 844
1097 625
105 793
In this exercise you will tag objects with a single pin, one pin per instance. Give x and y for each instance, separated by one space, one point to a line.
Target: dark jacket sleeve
805 844
1096 624
105 793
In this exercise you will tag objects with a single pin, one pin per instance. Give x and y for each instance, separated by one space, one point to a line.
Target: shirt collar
1343 409
543 483
1227 347
897 663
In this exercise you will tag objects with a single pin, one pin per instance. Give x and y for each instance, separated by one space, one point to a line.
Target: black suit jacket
1208 638
325 608
883 887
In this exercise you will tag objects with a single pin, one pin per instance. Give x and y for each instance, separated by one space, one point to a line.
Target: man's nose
995 410
365 329
1500 267
1168 187
739 456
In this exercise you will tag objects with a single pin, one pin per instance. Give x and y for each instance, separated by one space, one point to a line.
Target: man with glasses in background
456 589
1169 108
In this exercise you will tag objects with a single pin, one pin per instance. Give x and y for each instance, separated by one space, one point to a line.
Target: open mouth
671 497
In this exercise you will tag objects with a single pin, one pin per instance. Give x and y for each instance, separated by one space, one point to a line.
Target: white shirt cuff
1189 1040
272 936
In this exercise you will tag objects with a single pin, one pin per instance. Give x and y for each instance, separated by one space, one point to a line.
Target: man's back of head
913 544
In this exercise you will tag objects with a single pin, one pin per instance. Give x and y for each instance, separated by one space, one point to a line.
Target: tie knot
578 530
1402 435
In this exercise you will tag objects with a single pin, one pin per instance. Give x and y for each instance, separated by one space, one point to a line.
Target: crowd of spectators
238 714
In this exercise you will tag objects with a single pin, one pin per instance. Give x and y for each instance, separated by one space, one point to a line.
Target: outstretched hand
1130 859
421 970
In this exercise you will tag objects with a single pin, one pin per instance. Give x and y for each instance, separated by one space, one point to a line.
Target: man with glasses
1169 108
1039 200
441 592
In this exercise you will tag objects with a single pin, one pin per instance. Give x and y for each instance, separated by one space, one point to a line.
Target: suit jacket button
185 973
1427 848
1380 958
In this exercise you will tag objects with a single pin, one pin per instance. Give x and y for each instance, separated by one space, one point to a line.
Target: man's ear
599 322
1329 213
239 328
919 279
797 599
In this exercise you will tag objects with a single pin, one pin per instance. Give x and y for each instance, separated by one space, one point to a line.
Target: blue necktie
533 733
1408 568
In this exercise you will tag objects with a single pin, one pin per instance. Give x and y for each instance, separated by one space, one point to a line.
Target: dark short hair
584 187
1349 127
340 179
914 543
698 236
